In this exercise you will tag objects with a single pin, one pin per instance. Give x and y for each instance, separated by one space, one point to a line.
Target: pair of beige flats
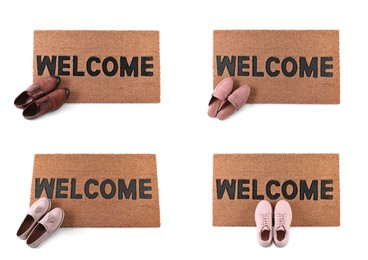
40 222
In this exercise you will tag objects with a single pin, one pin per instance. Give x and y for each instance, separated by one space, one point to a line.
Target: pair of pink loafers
40 222
225 100
282 217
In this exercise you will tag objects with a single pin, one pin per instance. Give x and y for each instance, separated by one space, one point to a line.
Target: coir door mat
280 66
101 66
99 190
309 182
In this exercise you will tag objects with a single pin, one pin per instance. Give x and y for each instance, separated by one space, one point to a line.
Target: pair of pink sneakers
283 217
40 222
225 100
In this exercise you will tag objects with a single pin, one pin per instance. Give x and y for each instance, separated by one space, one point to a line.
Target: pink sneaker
283 218
263 218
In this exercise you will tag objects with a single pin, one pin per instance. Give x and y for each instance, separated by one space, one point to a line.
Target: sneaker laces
45 103
281 221
36 91
265 221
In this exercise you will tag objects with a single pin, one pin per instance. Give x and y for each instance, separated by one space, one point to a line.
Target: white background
179 131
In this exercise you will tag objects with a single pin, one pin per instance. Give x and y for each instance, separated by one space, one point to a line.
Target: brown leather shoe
46 104
47 225
37 90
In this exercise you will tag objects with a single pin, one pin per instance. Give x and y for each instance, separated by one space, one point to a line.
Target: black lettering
60 188
325 189
62 66
325 66
75 68
308 192
255 189
87 190
242 66
256 73
308 69
225 62
44 62
225 185
73 188
91 72
130 191
268 189
294 191
129 69
143 189
242 189
271 73
294 68
145 66
114 69
112 193
44 185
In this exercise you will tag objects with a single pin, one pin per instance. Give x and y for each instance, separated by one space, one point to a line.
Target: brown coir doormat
99 190
101 66
280 66
309 182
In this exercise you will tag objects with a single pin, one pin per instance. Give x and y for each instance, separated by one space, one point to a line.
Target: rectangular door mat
101 66
280 66
99 190
309 182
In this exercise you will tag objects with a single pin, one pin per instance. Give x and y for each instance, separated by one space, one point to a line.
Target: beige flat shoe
47 225
34 214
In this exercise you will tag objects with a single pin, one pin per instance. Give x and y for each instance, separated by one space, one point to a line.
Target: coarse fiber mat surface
309 182
101 66
99 190
280 66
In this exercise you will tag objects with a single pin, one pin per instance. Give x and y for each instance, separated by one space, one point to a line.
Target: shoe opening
31 110
280 235
265 235
26 224
36 233
22 99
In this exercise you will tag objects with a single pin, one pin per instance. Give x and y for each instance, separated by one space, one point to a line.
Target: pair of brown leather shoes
42 97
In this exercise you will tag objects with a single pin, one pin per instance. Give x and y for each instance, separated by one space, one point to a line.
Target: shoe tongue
280 228
266 228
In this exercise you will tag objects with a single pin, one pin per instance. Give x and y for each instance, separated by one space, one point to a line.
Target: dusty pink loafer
47 225
219 95
34 214
234 102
